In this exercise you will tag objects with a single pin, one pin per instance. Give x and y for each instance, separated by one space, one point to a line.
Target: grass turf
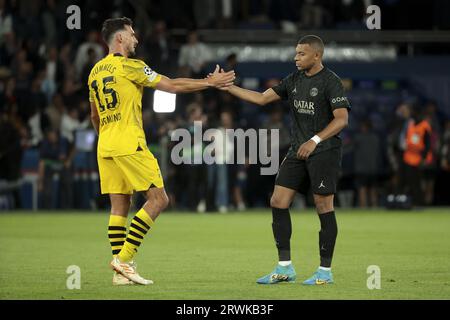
216 256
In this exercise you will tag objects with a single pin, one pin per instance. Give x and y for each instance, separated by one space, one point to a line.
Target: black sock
327 238
282 230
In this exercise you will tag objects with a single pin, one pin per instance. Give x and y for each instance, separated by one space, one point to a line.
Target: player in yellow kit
125 164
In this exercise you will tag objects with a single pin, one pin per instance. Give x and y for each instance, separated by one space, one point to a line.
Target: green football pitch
219 256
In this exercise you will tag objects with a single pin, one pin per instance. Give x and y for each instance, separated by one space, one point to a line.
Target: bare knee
163 202
279 202
120 206
321 206
323 203
157 202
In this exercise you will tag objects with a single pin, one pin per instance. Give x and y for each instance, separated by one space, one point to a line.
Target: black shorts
320 172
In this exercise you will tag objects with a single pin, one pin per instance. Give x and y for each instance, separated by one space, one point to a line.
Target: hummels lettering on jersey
305 107
103 67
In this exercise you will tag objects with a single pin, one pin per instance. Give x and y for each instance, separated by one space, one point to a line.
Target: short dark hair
111 26
231 56
313 41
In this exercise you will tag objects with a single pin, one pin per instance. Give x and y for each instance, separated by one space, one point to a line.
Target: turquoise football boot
279 274
320 277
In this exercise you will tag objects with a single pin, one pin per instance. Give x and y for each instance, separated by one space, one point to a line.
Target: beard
131 51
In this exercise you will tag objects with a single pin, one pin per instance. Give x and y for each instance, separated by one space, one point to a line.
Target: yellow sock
139 226
117 232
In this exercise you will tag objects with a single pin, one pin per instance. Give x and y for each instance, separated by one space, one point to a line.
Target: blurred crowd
43 102
406 165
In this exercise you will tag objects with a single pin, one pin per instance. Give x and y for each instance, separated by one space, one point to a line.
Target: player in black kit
319 110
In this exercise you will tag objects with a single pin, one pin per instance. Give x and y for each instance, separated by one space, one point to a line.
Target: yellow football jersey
116 85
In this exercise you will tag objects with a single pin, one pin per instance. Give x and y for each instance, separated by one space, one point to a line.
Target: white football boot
120 280
128 270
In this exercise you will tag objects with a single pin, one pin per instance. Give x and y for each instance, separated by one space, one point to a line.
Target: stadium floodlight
164 101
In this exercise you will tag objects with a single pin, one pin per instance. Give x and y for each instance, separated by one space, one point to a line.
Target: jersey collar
309 77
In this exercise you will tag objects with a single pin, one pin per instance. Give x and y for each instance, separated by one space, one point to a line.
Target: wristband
316 139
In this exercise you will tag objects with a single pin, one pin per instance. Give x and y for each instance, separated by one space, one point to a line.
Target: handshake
220 79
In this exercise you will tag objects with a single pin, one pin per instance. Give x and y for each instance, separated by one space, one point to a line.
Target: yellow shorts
125 174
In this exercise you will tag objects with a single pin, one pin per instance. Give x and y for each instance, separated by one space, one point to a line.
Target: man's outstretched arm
255 97
184 85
